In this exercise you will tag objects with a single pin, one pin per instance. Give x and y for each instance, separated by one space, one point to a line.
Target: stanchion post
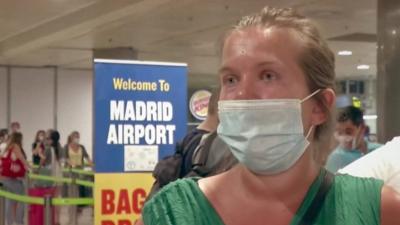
47 210
73 194
2 208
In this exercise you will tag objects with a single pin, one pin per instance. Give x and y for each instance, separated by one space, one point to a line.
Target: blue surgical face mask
344 140
265 135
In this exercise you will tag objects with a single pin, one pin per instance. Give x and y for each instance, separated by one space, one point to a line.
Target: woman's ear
320 109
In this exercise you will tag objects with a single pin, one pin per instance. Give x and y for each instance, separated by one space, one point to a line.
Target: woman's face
41 136
48 139
263 64
75 135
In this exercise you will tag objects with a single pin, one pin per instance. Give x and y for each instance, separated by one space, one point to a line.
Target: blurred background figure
76 156
50 165
38 146
349 133
3 140
15 127
50 158
75 153
12 177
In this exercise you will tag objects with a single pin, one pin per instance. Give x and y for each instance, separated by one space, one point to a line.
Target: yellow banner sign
119 197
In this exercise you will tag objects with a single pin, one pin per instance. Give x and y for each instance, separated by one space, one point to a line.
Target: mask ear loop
354 141
305 99
354 144
309 132
310 96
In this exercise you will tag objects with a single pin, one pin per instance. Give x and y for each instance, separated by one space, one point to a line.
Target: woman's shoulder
180 202
353 200
174 191
356 189
350 182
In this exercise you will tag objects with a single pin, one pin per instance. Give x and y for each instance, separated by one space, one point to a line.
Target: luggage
36 212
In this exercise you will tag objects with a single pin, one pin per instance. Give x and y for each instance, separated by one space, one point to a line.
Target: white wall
74 100
32 101
3 97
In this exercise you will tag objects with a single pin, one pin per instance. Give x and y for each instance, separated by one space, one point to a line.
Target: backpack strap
187 150
316 204
186 146
201 153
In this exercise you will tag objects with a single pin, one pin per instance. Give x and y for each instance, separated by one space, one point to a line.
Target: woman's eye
268 76
230 80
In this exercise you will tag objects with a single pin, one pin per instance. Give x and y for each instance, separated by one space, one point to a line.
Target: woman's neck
290 186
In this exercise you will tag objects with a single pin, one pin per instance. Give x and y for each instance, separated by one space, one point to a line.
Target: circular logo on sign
199 104
131 165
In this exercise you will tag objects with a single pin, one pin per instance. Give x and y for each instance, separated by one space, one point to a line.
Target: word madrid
141 121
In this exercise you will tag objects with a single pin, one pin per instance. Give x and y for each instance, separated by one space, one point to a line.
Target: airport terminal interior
48 83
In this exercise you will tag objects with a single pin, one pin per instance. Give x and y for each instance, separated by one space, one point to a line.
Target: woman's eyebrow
224 69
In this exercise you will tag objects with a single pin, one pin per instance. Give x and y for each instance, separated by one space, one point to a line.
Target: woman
277 78
38 146
13 182
50 157
50 165
76 153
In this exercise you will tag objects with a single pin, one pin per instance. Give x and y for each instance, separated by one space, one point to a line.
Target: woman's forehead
258 39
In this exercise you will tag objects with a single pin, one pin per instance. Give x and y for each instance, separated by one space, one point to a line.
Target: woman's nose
247 90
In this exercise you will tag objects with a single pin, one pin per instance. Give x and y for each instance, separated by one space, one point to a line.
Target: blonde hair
316 60
71 135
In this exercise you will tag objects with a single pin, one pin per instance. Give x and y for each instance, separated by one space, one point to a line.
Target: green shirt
351 200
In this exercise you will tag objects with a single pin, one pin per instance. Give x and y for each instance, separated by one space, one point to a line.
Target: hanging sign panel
140 113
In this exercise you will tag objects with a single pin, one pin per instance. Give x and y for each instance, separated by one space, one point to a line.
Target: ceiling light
394 32
370 117
345 52
363 67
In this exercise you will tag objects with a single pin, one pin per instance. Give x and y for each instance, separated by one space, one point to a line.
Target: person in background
50 164
383 164
15 210
350 130
15 127
49 159
75 152
3 141
76 155
275 111
188 146
38 146
206 126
